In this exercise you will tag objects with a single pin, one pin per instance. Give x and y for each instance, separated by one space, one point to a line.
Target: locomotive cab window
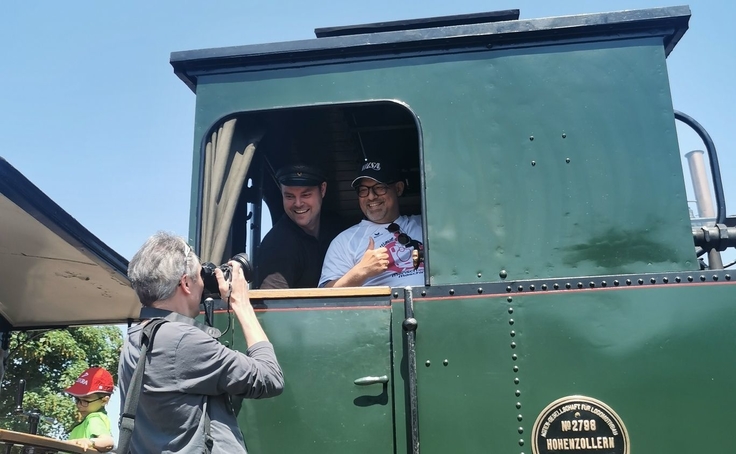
282 184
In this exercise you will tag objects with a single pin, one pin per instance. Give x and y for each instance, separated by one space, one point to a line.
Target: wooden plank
267 294
38 441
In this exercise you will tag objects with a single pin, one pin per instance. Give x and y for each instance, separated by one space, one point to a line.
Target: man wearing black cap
378 250
291 254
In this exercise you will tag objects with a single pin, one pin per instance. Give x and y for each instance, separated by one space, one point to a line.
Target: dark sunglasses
406 240
85 403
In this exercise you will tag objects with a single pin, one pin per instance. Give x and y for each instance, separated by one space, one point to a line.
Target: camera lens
210 280
242 259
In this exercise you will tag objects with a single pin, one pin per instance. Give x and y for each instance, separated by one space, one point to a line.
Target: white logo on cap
372 165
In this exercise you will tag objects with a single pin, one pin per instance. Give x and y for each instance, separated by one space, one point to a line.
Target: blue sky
94 116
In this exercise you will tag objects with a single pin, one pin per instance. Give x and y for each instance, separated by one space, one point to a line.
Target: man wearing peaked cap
380 249
292 252
91 393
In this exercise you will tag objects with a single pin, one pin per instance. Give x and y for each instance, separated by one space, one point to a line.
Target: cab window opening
337 139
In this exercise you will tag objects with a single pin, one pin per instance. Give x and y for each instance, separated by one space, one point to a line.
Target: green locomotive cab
543 158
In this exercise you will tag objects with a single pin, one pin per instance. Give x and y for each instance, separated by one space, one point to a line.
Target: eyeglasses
85 403
406 240
403 238
377 189
187 251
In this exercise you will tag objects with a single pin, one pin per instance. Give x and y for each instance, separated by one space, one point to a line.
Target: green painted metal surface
469 401
321 410
602 124
660 357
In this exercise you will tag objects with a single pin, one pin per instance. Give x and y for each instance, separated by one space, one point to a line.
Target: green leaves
49 361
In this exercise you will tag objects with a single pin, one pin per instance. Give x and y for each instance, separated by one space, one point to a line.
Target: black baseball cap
382 172
300 175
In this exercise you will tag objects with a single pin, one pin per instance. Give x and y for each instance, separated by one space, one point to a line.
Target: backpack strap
127 419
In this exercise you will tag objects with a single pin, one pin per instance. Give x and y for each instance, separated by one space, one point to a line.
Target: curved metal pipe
715 168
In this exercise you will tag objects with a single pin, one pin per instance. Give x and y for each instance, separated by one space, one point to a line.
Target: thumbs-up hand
374 261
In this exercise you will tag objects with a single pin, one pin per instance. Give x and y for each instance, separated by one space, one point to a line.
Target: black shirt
289 257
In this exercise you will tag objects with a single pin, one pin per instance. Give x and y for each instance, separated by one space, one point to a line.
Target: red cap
93 380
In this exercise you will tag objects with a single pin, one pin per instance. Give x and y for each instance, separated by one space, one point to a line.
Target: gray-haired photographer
183 394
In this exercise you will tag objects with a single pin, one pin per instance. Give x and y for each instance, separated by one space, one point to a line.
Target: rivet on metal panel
564 135
521 442
445 362
511 321
513 344
567 160
640 281
509 299
480 275
410 324
678 279
514 357
521 430
518 394
516 368
715 277
502 274
511 310
519 417
653 280
531 287
728 277
702 278
518 405
513 333
544 286
665 279
396 294
604 283
508 288
534 163
628 281
480 289
568 286
516 380
428 363
424 293
520 288
592 284
452 291
580 285
531 137
689 278
556 286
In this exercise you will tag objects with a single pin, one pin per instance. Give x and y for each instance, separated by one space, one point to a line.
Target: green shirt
92 426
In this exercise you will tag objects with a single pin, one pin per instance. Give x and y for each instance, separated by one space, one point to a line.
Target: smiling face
303 205
381 209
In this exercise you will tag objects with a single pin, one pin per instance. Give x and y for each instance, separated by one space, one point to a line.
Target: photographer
189 375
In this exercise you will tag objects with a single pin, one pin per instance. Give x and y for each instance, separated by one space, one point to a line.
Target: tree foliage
50 361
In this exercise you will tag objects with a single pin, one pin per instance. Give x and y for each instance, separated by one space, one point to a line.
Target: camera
208 272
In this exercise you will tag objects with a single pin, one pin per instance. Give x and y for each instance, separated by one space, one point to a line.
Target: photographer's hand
236 293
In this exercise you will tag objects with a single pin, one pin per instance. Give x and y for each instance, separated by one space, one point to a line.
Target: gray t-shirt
184 366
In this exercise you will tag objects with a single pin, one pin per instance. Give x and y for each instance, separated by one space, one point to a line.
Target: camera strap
127 419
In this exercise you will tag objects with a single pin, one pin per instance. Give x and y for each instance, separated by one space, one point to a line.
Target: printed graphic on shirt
400 260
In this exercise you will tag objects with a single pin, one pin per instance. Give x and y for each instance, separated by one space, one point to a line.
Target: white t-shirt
348 248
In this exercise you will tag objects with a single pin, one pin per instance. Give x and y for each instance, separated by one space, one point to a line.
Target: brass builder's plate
579 424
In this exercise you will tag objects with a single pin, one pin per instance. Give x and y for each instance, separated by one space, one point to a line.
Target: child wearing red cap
91 393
